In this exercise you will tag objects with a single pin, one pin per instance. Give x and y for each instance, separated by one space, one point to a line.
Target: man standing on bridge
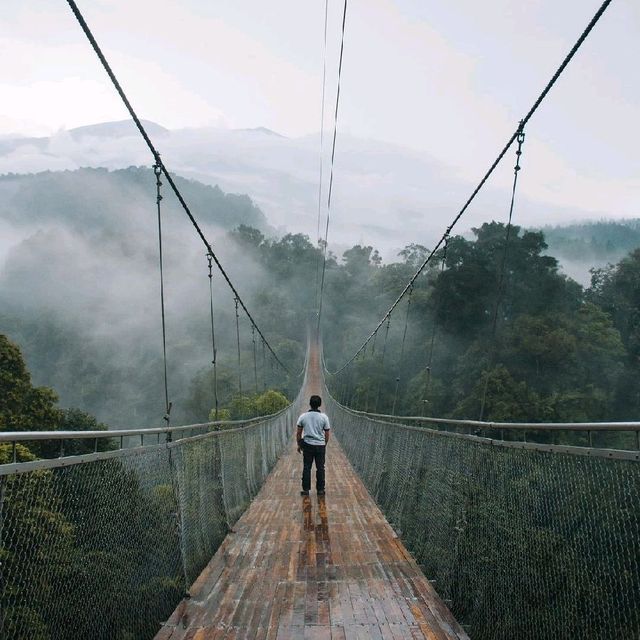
312 438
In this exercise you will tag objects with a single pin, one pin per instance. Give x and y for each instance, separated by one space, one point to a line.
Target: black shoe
320 493
304 493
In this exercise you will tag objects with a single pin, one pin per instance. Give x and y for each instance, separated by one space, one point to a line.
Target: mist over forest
384 194
79 288
79 294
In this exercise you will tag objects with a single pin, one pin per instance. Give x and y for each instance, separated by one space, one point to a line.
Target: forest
79 295
555 352
559 352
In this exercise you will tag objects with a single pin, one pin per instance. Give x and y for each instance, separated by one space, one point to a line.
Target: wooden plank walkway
312 568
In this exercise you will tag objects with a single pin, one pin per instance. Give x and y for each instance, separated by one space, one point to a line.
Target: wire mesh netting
520 543
105 549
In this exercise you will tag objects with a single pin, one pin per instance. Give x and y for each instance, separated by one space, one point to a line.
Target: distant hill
119 129
602 240
263 130
386 195
99 199
102 130
586 245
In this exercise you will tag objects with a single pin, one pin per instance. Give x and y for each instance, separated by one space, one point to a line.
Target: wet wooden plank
312 567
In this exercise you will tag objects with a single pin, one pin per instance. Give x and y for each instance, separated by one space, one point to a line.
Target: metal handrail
26 436
525 426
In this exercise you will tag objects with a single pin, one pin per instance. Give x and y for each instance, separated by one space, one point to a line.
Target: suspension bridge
431 527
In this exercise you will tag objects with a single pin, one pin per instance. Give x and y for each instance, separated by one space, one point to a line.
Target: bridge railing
106 543
521 539
527 434
104 441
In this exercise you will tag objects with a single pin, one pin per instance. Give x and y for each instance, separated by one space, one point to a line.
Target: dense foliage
98 199
55 551
555 352
606 240
79 291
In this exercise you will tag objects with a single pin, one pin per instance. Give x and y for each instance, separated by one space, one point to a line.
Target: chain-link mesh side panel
198 468
90 550
253 448
523 543
102 549
234 474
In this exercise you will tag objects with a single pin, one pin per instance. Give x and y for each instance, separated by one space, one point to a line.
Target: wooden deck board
308 567
311 567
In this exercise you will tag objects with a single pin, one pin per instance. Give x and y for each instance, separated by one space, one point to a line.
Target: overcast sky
450 79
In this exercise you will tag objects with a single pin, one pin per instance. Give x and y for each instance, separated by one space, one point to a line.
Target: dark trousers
313 453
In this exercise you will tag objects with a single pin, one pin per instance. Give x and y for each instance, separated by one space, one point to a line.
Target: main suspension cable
487 175
167 175
333 155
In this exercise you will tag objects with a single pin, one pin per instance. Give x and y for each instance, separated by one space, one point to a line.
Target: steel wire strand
238 347
503 266
167 403
255 358
434 328
156 155
488 174
324 83
382 357
214 351
333 154
401 357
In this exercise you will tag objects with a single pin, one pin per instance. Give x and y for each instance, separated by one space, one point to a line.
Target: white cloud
450 79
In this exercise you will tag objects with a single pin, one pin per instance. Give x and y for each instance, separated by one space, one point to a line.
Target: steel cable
384 351
324 83
487 175
503 266
214 351
434 327
167 175
167 403
333 154
255 357
238 345
401 358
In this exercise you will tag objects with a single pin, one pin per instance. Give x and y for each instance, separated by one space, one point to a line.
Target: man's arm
327 435
299 439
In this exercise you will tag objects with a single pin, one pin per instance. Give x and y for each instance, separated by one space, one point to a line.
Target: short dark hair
315 402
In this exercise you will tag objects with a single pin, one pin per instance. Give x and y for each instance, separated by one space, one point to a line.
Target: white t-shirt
314 424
